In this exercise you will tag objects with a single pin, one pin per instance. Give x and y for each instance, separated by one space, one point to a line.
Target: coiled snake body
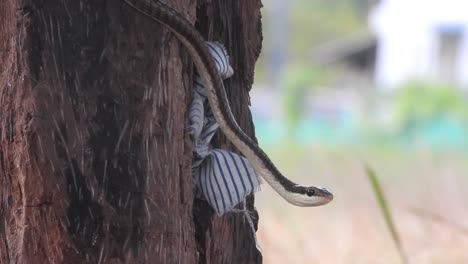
196 46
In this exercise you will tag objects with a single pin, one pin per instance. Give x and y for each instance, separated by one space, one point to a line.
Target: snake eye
310 191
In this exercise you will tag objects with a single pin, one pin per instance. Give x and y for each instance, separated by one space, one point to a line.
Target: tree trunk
95 164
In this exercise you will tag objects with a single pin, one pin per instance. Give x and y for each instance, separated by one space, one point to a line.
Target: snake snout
326 194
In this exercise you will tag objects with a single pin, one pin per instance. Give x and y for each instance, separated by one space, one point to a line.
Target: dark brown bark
94 159
237 24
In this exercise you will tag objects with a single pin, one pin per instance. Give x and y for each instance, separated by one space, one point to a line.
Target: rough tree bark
95 165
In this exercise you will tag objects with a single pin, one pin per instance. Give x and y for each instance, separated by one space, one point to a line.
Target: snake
196 46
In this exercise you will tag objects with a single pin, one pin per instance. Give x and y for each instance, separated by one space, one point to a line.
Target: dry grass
427 194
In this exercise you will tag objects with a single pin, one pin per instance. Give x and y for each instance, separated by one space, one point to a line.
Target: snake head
308 196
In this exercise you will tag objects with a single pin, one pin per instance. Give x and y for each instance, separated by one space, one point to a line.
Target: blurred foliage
420 114
313 22
386 212
298 81
418 103
310 23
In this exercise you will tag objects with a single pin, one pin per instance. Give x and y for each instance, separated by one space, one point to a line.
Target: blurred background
342 85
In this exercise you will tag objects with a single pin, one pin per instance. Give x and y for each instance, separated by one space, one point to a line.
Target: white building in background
420 39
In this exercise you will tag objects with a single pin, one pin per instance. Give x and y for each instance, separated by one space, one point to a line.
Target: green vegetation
386 212
414 138
318 21
298 81
310 23
418 103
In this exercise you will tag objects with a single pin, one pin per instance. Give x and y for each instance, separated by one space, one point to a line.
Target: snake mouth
326 194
